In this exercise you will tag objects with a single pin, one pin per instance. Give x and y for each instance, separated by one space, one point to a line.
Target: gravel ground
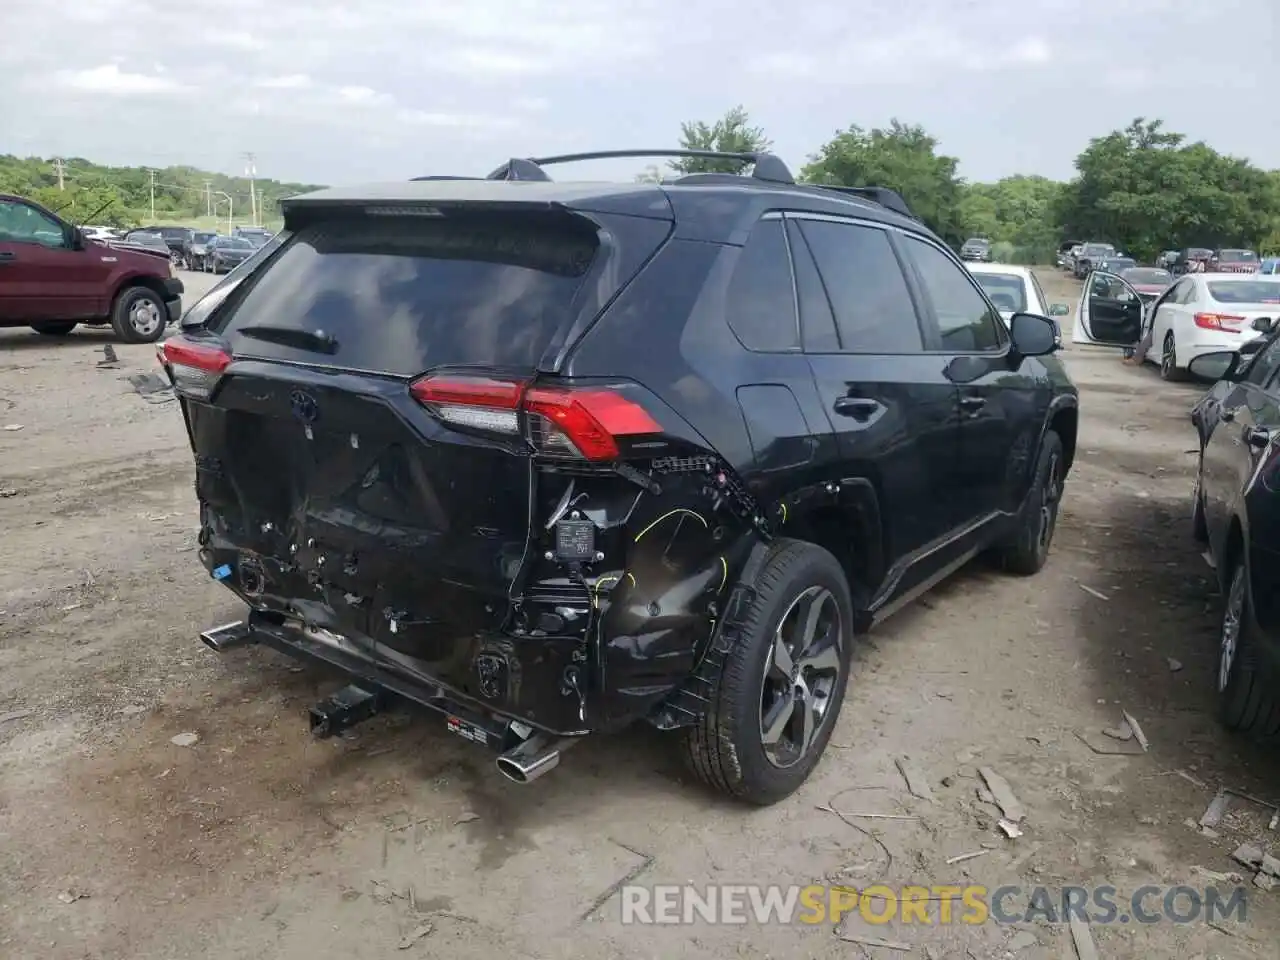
257 840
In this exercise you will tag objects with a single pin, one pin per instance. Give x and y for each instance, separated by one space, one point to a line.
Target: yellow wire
671 513
595 590
784 512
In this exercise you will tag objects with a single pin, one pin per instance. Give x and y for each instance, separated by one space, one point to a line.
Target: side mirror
1218 365
1059 310
1263 324
1033 335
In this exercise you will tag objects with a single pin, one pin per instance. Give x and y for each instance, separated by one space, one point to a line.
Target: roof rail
889 199
443 176
766 166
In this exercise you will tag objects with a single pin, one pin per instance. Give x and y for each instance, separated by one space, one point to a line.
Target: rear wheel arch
848 525
1065 422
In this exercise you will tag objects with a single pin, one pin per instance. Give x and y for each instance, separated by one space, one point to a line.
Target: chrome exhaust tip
228 636
533 758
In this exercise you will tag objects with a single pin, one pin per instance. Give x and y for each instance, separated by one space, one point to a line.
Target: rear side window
1265 364
761 302
869 297
403 294
966 322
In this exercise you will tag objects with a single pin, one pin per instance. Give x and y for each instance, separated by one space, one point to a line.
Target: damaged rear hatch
338 485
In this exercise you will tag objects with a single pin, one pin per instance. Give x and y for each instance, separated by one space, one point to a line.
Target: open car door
1110 311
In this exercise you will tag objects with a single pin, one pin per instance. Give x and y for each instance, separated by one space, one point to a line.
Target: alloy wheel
1230 640
801 674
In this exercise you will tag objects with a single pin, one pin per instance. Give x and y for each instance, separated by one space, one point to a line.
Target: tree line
85 192
1143 188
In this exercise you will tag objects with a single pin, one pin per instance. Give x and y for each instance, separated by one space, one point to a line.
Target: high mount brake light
194 367
1218 321
579 424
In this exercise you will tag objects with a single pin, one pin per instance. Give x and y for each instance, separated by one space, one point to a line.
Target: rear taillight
1218 321
194 367
566 422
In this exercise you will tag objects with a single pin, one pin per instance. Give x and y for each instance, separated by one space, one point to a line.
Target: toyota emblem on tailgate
304 406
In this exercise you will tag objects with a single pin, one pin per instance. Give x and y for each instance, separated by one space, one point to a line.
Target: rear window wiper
318 341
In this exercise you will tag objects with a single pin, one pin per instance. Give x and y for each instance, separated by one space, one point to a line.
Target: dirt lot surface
258 841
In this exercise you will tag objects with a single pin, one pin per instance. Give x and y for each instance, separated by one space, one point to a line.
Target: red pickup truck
53 277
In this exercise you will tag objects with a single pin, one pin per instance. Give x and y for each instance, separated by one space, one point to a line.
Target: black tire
59 329
139 315
1168 363
1247 699
1025 551
727 748
1199 526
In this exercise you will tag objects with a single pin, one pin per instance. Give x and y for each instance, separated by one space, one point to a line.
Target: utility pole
250 172
61 168
153 195
208 198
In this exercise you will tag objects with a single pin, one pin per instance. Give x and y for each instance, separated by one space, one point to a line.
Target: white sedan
1201 313
1013 289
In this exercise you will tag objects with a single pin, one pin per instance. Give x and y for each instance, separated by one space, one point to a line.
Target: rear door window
761 304
403 294
869 297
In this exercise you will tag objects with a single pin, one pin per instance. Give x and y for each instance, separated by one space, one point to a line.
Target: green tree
1146 190
179 197
732 133
904 158
1019 212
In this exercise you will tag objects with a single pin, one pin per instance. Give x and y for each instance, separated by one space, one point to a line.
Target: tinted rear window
1237 256
1147 276
1245 291
401 295
1006 290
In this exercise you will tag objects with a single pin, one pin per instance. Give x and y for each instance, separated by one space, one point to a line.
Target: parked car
1191 260
608 452
976 248
148 240
1116 264
1236 515
1069 263
197 249
54 277
1200 313
257 236
1083 262
176 238
1269 266
1064 252
1149 282
1167 259
1014 289
1233 261
225 253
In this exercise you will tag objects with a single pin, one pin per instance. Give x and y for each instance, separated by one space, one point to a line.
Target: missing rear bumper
525 754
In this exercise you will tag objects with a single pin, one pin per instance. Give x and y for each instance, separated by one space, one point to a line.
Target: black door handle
860 408
1227 414
1257 437
7 257
972 404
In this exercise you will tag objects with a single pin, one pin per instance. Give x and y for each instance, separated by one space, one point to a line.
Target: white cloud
287 81
1031 50
111 80
362 96
235 40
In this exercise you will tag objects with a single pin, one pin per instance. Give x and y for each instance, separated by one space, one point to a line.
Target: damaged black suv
554 457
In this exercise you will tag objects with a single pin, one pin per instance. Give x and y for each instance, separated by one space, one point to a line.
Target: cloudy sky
330 91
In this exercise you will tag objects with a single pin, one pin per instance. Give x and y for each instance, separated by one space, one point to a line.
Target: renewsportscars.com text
934 905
